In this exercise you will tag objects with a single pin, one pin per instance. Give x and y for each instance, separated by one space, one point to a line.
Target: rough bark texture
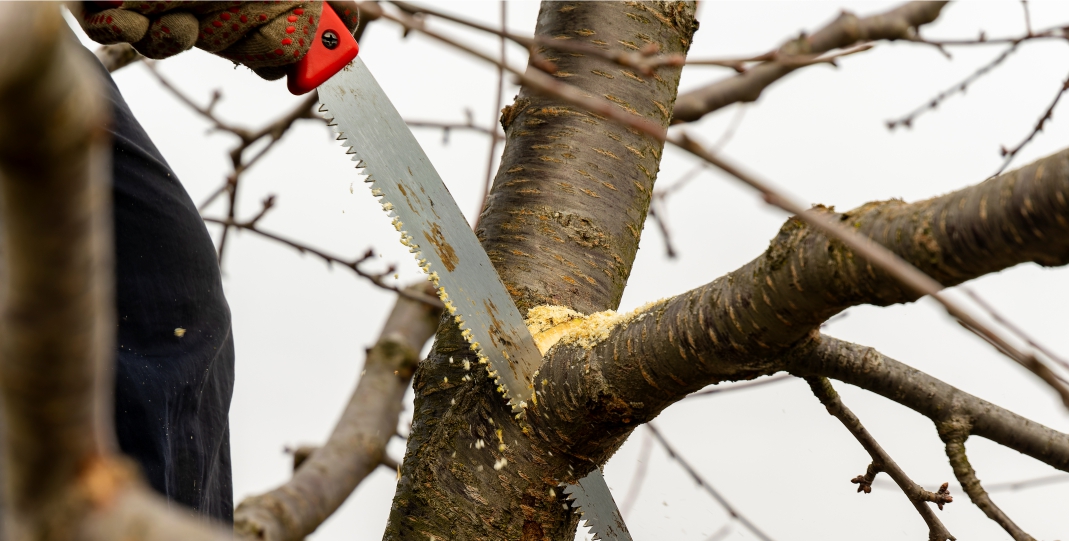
739 326
562 226
357 446
563 220
846 30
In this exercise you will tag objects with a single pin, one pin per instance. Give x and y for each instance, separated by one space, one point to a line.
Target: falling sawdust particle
179 332
551 324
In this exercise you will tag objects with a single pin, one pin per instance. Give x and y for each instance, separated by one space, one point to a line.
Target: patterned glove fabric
265 36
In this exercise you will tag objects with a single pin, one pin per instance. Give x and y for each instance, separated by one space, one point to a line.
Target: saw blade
433 228
598 508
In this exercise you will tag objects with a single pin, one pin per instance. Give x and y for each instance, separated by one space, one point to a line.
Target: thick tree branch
358 444
882 461
561 224
848 29
63 478
737 326
620 111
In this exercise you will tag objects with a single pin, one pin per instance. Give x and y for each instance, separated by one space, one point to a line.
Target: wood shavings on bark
551 324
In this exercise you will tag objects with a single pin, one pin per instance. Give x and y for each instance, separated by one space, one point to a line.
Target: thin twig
447 127
1027 17
1012 486
1048 115
497 113
1000 319
218 124
876 254
642 466
881 461
645 61
705 484
959 88
658 211
353 265
720 533
274 131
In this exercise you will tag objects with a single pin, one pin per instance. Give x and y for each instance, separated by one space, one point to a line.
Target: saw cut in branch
876 254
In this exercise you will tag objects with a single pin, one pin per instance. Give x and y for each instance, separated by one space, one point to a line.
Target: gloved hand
265 36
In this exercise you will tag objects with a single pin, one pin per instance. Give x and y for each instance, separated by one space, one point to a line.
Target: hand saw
433 228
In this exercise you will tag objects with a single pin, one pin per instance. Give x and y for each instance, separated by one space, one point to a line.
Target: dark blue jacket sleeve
172 387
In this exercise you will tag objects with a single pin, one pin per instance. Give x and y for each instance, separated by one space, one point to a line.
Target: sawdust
551 324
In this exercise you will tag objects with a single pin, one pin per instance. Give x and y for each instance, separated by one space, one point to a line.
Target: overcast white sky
301 328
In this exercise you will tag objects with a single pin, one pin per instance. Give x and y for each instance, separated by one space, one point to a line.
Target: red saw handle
332 49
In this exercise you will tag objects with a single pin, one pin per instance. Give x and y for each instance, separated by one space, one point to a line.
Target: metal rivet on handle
330 39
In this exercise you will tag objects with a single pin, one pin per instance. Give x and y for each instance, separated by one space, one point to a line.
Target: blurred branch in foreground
57 325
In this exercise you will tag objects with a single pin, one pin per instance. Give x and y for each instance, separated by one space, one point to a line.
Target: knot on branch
864 482
940 498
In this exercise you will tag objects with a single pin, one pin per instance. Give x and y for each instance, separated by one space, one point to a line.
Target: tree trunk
562 226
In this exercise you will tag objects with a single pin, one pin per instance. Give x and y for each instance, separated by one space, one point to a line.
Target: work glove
265 36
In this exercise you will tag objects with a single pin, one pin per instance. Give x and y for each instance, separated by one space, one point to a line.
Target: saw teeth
413 248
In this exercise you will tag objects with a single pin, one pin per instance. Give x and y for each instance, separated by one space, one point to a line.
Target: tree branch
738 326
706 486
63 477
869 369
622 112
954 433
882 461
845 31
358 443
353 265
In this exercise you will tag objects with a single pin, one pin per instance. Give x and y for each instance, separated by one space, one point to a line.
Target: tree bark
741 325
562 225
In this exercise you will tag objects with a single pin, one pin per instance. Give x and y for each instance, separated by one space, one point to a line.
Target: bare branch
353 265
883 258
882 461
641 467
357 445
869 369
959 88
954 433
845 31
705 484
497 113
447 127
1048 115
